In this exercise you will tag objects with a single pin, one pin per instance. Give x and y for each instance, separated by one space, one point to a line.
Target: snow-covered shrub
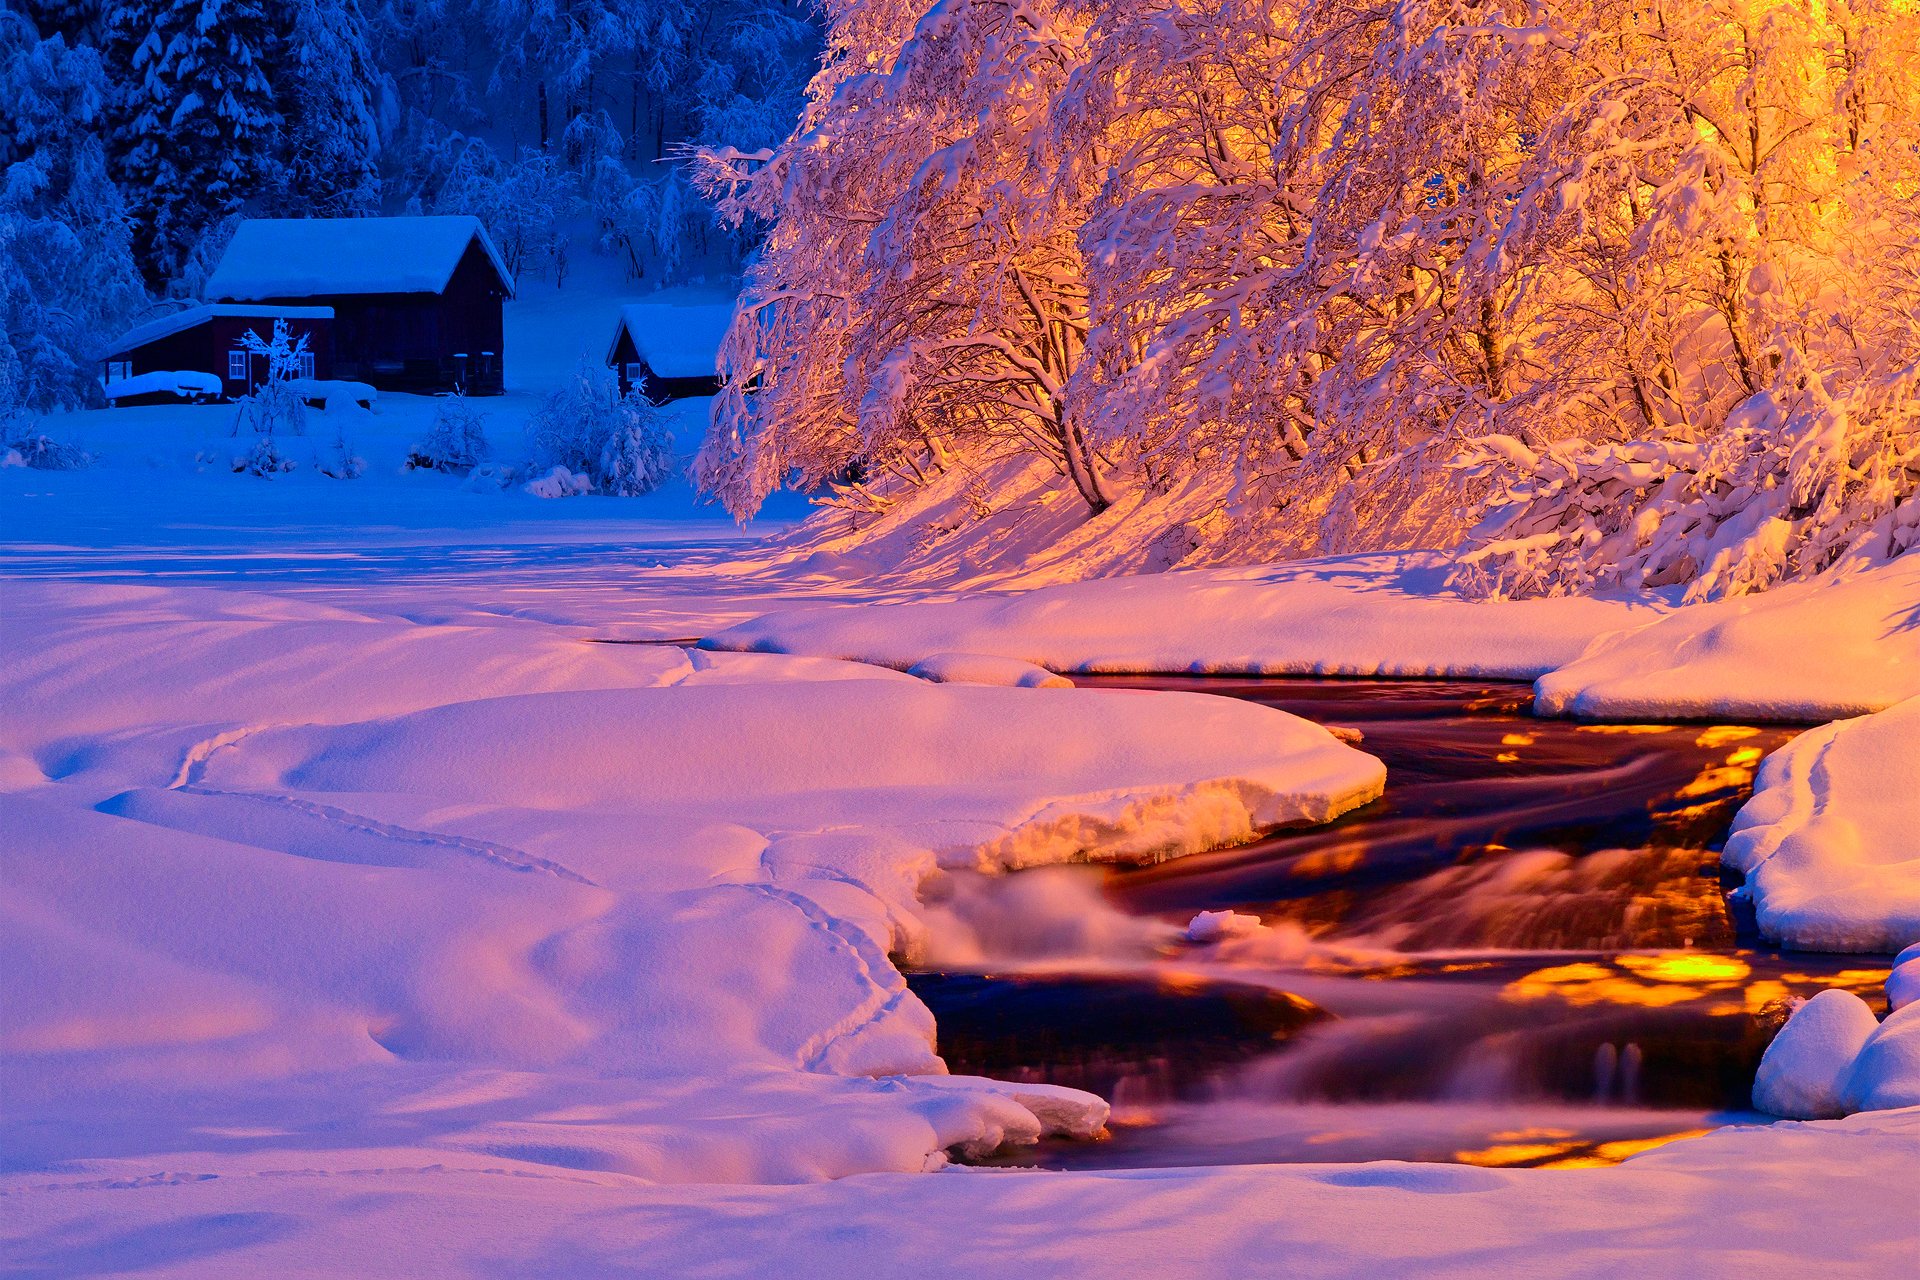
559 483
24 444
263 458
490 477
457 440
274 405
338 459
619 444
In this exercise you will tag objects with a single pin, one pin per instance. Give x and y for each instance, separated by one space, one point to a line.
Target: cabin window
119 370
636 374
306 364
236 366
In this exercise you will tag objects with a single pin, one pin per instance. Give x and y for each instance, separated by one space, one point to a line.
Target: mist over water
1521 954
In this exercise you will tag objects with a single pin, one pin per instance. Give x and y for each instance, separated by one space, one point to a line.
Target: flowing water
1522 954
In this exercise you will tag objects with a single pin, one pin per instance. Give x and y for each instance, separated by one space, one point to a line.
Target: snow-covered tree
67 279
620 444
335 98
197 124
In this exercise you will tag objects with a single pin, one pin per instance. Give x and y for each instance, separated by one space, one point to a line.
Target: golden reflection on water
1559 1149
1725 983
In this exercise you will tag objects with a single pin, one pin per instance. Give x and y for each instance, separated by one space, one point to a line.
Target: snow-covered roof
675 340
152 330
305 257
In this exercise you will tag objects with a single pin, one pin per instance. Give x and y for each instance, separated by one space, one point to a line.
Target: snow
1886 1075
1828 843
329 390
184 383
306 257
1903 983
274 863
1832 1198
676 338
1808 651
979 668
193 317
1362 615
1803 1075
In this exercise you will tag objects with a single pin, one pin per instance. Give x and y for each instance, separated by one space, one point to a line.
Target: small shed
417 302
207 340
669 351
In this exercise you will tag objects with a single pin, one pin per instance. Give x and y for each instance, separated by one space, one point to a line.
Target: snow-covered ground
364 915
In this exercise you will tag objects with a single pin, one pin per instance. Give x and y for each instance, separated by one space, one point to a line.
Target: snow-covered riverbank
353 885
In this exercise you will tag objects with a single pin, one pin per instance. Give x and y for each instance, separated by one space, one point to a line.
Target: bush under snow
618 444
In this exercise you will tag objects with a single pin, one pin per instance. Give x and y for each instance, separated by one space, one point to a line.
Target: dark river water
1522 954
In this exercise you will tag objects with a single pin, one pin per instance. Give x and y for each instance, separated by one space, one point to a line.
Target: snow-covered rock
1829 842
1886 1072
983 668
1212 926
1903 984
1805 1072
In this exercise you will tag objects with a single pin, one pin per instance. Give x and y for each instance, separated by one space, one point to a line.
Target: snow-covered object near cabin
1803 1074
983 668
185 383
1828 843
333 393
315 257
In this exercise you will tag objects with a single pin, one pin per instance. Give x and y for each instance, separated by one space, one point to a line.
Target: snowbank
1383 615
281 876
1829 1199
981 668
1829 842
1811 651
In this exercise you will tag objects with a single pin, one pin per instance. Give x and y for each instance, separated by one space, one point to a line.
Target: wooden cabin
417 302
669 351
207 340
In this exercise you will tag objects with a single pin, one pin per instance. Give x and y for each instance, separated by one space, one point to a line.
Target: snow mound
1886 1074
1903 984
1828 842
1809 651
981 668
1804 1072
1385 615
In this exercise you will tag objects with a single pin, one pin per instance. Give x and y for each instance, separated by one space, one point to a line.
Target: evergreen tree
333 95
196 122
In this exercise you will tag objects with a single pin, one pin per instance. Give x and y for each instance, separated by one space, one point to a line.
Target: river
1523 953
